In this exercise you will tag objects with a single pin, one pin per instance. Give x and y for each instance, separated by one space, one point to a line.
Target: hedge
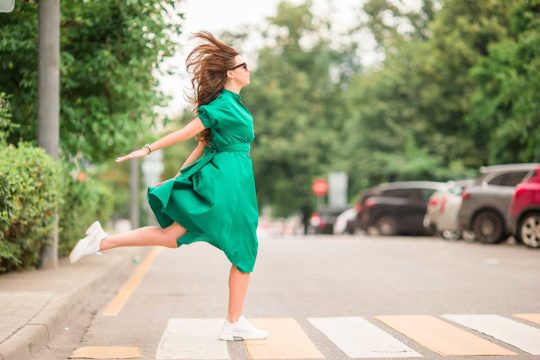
32 187
84 202
30 191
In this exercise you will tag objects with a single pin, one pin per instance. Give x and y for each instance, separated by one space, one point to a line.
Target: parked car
398 208
322 221
485 205
442 210
359 206
345 222
525 210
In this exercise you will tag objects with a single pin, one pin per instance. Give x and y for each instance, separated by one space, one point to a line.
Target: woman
212 198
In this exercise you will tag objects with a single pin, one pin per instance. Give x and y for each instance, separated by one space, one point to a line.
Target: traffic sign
319 187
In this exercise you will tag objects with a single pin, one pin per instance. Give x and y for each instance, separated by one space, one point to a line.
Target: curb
42 329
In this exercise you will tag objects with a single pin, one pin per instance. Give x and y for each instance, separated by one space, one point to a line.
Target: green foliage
297 103
32 188
83 203
6 125
30 191
408 115
391 25
109 51
506 105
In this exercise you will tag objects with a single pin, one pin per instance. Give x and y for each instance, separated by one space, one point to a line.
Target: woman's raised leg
145 236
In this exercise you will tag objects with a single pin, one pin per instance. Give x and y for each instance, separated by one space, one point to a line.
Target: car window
404 193
509 178
529 175
426 193
456 190
400 193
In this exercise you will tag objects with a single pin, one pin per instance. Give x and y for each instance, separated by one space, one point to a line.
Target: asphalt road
298 280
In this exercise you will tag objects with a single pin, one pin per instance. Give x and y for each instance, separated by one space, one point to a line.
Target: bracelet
149 149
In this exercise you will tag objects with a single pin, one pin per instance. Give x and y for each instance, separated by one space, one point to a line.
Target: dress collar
235 95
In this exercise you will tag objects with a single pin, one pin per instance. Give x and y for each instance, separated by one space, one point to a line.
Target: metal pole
49 100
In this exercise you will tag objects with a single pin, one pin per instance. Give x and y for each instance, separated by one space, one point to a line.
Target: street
331 297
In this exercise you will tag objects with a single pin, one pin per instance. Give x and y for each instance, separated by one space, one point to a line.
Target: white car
443 207
340 226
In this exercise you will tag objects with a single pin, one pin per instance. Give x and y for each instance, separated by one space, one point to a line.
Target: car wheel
386 225
529 230
451 234
488 227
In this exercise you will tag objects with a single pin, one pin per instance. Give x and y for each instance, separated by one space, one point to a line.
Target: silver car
485 207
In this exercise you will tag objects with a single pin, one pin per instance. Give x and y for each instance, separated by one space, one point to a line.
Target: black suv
397 208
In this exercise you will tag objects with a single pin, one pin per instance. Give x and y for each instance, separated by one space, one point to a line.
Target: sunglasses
244 65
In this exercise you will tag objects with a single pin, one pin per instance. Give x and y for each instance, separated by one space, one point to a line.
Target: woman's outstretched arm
194 127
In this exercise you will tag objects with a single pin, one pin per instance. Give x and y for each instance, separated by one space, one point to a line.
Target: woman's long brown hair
208 62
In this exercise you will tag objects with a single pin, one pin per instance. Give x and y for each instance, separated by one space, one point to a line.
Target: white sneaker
90 244
241 330
95 225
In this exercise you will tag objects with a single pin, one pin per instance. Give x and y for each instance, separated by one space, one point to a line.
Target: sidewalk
35 305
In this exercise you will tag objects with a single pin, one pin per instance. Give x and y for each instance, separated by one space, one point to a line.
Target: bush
6 124
84 202
32 187
30 191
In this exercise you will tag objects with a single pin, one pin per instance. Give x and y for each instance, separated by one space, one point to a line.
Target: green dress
214 198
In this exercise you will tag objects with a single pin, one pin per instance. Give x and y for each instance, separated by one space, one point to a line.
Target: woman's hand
133 155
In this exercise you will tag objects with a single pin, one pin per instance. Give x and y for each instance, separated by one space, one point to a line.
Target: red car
525 210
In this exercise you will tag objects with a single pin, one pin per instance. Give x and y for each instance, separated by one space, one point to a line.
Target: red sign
319 187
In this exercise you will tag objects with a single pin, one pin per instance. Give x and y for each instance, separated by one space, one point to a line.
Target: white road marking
358 338
192 339
522 336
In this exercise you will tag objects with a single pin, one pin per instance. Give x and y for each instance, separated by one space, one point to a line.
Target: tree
109 51
506 105
410 111
298 108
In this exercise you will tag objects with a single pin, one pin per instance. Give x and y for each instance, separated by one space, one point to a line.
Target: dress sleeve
206 117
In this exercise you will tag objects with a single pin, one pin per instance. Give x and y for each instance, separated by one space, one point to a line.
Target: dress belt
239 147
209 153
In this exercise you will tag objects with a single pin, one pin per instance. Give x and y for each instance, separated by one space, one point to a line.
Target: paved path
325 297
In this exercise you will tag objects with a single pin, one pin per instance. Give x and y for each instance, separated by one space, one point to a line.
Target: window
508 179
456 190
427 193
404 193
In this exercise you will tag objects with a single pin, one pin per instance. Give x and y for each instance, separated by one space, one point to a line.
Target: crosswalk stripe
286 340
442 337
193 339
522 336
535 318
106 352
358 338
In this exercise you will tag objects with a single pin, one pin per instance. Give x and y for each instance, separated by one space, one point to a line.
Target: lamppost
49 101
152 168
